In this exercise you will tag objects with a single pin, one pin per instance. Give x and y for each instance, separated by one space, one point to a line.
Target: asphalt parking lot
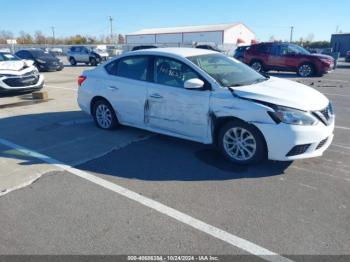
133 192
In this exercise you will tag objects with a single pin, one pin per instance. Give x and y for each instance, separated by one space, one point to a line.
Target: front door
172 108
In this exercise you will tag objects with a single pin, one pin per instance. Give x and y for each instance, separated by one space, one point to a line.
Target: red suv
287 57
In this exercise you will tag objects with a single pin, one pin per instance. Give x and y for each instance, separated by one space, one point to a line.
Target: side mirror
194 83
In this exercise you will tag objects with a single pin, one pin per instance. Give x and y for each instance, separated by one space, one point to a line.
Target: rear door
126 88
172 108
83 55
276 58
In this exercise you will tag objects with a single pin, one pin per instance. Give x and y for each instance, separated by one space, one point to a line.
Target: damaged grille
27 79
325 115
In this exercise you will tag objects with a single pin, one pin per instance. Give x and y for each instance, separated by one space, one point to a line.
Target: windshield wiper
235 85
259 80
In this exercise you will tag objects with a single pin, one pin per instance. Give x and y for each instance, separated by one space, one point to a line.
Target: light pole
53 34
291 33
111 25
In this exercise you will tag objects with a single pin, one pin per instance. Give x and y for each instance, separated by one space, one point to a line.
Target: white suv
208 97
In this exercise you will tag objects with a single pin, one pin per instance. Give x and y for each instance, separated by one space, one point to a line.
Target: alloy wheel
305 70
104 116
257 66
239 144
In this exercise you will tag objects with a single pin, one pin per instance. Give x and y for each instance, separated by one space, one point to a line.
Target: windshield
8 57
298 50
40 54
227 71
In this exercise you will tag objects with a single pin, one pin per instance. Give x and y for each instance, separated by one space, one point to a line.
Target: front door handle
113 87
157 96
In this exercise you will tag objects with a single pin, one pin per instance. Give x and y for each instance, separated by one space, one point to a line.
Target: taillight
81 80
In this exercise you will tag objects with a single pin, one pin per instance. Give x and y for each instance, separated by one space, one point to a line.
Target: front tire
241 143
306 70
104 115
72 61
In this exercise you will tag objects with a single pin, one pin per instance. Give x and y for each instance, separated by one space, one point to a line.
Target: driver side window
170 72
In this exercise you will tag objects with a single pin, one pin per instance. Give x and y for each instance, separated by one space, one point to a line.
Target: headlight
41 61
293 116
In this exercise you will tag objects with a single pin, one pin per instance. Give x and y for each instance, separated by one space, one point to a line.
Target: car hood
101 53
284 93
48 59
15 65
322 56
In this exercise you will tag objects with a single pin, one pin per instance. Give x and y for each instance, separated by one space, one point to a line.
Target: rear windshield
40 54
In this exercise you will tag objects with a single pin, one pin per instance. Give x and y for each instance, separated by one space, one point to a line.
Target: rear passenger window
132 67
264 49
275 50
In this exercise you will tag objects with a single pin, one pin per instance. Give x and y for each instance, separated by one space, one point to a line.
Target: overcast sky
90 17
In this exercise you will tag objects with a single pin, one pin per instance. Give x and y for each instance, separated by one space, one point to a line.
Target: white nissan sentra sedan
207 97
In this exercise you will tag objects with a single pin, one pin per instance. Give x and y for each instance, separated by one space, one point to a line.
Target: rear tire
104 115
257 66
241 143
72 61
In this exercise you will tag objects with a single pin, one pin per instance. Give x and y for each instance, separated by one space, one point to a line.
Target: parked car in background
208 97
7 56
18 75
287 57
83 54
239 52
42 60
56 51
347 57
140 47
210 47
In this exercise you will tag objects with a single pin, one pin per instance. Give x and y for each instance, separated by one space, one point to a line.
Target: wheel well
95 99
256 60
308 63
218 123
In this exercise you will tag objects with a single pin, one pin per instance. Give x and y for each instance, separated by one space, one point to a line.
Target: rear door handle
157 96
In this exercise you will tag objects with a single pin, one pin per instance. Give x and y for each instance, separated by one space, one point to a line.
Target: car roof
177 51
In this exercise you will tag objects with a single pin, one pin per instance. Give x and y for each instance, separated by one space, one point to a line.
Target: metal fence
111 49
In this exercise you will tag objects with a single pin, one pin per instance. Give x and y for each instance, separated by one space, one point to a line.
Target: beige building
221 34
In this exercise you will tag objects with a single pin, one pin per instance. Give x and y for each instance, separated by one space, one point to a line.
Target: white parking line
329 94
342 127
161 208
58 87
341 146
